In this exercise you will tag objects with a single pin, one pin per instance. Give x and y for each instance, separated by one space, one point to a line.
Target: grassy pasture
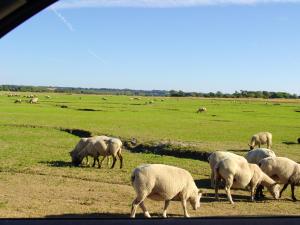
36 179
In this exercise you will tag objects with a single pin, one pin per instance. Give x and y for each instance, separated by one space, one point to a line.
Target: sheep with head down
215 158
261 138
98 146
239 174
283 170
163 183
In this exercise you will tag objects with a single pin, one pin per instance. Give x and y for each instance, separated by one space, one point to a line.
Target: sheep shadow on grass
210 196
57 163
289 143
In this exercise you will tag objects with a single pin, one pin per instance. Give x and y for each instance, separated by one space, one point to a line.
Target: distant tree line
236 94
130 92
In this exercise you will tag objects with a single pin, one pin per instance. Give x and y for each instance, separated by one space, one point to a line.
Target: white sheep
83 143
18 101
283 170
202 109
261 139
255 155
33 100
216 157
240 174
163 183
99 147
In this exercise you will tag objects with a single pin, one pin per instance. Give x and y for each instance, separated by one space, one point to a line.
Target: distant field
36 179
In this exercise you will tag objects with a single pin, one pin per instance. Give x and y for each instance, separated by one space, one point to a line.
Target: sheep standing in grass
18 101
98 147
240 174
216 157
261 139
283 170
202 109
33 100
83 142
163 183
255 155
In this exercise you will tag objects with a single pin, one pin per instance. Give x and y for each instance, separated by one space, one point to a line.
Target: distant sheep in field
33 100
261 139
283 170
18 101
217 156
239 174
104 99
47 96
163 183
202 109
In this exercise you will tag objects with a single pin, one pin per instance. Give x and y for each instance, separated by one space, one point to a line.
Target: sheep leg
114 161
94 162
167 203
293 192
217 181
228 185
143 207
101 161
121 159
136 202
183 202
253 187
284 187
212 179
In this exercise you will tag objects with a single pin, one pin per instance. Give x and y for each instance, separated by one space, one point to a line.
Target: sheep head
195 199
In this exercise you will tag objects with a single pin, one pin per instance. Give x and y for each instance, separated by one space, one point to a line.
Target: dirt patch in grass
77 132
179 150
90 110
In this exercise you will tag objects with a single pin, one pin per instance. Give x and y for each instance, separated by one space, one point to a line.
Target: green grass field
36 178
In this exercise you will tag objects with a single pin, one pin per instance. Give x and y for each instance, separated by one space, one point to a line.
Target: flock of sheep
259 168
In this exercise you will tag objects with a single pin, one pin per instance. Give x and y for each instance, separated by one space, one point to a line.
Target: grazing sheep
83 142
283 170
255 155
202 109
240 174
100 147
47 96
163 183
216 157
18 101
261 139
104 98
33 100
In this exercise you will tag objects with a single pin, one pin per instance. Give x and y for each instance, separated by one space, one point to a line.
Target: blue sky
191 45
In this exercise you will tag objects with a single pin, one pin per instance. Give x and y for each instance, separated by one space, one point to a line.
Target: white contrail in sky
161 3
63 19
92 53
